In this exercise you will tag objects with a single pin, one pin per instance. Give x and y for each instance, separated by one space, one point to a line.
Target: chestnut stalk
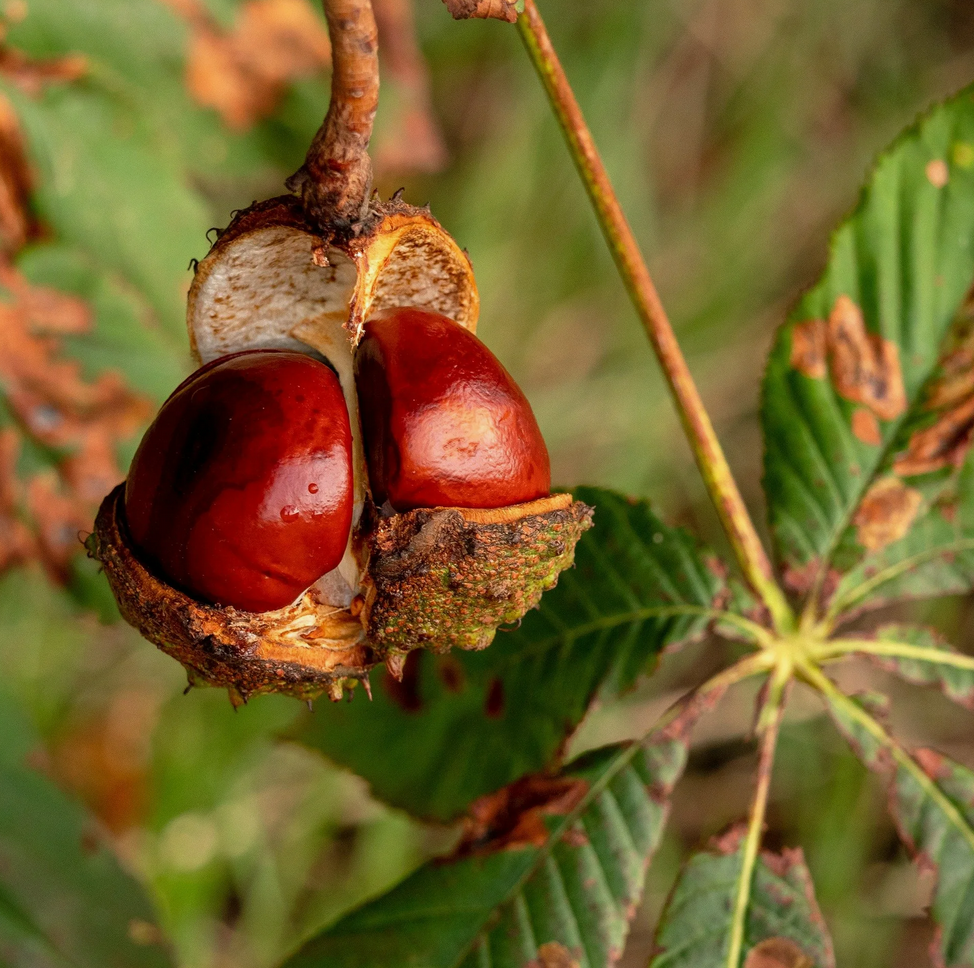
335 181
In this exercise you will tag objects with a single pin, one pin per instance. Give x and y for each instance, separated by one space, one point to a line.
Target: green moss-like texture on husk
448 578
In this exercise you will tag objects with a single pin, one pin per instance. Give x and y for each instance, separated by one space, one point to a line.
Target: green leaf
931 799
464 724
547 864
64 900
869 360
922 658
695 929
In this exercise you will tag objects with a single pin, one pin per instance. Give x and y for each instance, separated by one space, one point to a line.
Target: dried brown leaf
244 73
18 225
496 9
32 75
52 404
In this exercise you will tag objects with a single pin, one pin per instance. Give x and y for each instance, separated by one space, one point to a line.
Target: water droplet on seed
289 512
312 488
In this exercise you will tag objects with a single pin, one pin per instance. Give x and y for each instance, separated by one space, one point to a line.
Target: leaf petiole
720 483
770 719
837 648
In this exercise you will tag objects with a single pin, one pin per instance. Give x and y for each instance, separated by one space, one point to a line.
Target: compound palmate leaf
867 406
64 899
549 872
782 919
461 725
932 802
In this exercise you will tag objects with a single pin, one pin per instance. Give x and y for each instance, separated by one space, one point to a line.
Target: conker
444 424
241 490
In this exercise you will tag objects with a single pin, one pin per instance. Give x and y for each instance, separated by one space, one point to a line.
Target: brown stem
710 457
335 180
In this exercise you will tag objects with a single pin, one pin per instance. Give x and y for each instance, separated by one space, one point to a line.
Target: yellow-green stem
771 716
710 457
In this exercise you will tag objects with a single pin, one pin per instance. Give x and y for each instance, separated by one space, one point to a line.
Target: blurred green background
736 132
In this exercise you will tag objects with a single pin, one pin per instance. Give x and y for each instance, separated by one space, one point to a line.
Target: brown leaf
18 225
33 75
243 74
553 955
864 367
496 9
513 817
777 953
886 513
52 404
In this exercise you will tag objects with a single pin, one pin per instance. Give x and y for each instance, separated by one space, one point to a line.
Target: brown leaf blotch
944 443
513 817
865 426
886 513
808 348
865 368
777 953
553 955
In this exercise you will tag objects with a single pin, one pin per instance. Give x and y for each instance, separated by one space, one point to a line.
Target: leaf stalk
720 483
771 715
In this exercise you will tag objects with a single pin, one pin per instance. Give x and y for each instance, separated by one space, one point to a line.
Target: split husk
436 578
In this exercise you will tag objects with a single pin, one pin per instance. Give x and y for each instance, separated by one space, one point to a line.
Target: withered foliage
243 73
78 424
18 224
46 401
32 75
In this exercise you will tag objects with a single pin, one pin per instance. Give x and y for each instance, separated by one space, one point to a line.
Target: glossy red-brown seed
444 423
241 490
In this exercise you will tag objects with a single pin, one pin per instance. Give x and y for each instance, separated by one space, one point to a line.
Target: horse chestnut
241 490
444 423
